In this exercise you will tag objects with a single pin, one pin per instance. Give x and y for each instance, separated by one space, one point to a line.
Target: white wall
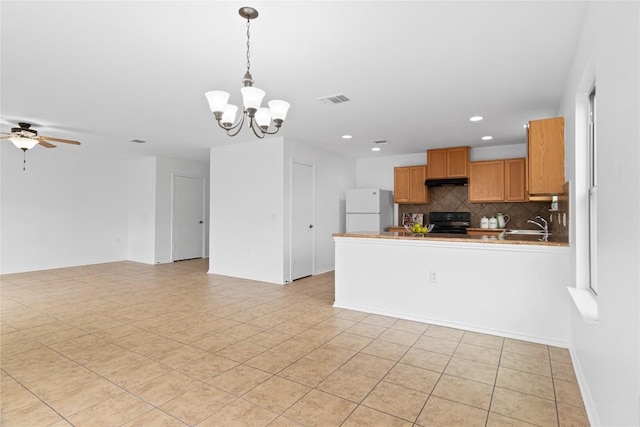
524 298
142 210
377 172
246 210
165 170
333 176
512 151
607 355
66 209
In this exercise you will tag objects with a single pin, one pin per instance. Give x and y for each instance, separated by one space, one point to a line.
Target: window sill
586 303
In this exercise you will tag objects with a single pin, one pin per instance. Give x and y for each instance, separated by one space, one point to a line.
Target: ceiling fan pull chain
24 159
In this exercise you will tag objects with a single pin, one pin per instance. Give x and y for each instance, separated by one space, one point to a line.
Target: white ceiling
108 72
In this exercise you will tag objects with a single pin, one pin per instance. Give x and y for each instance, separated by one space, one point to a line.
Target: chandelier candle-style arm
259 117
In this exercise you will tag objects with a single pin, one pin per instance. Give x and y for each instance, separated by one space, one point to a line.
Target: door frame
204 211
313 215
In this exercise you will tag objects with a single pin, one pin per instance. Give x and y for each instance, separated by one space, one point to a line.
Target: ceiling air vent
380 141
334 99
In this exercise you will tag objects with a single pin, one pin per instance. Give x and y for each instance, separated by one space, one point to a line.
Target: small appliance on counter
450 222
369 210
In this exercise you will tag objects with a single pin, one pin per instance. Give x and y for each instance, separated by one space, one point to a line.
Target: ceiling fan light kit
23 143
259 117
26 138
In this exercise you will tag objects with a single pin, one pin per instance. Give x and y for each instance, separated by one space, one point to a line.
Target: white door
188 217
302 231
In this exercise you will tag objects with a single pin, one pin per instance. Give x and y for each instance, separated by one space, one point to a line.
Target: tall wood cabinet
546 156
448 163
498 181
408 184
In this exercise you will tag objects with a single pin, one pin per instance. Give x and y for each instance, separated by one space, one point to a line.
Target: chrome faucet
545 227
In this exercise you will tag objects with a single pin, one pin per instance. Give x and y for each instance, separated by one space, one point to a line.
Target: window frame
592 183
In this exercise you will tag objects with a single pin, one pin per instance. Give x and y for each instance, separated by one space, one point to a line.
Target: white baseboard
466 327
589 406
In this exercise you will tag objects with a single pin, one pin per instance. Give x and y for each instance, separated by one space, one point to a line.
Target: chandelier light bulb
252 97
217 100
229 115
263 117
279 109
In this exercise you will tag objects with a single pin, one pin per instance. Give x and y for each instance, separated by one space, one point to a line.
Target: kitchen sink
533 232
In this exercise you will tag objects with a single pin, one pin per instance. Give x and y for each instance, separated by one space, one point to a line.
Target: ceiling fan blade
4 137
66 141
46 144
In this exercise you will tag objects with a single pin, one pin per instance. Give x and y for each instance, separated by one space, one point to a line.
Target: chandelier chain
248 46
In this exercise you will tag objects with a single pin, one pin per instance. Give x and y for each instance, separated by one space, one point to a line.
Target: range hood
446 181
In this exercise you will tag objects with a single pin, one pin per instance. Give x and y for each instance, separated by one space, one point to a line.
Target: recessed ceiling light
487 138
375 149
347 136
475 118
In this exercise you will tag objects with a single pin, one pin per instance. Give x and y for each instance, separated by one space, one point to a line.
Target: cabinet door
515 185
418 192
458 162
437 163
546 156
401 182
486 181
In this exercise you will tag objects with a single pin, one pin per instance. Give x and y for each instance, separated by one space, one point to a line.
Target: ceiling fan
26 138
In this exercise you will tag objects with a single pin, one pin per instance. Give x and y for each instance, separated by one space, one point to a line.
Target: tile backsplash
456 199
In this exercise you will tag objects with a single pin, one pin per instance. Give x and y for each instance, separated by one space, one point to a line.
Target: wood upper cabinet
498 181
515 180
486 181
448 163
408 184
546 156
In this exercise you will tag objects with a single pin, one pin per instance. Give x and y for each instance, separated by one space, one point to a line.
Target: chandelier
259 117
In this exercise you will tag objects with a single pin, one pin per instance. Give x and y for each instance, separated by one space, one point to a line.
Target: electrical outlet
433 276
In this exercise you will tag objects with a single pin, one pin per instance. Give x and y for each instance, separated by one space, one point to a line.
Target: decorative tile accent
455 199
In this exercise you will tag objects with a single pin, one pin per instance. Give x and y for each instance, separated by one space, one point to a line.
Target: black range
450 222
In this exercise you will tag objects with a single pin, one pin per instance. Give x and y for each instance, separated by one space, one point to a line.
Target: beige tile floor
127 344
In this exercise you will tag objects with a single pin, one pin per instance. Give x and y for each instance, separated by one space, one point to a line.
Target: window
592 198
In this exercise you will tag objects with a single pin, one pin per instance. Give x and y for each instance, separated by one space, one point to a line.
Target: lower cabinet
408 184
498 181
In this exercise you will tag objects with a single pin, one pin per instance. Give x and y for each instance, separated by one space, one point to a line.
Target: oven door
450 229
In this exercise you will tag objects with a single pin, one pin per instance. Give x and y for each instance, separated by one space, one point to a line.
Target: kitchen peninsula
511 288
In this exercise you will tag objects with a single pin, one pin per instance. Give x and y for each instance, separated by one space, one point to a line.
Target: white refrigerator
369 210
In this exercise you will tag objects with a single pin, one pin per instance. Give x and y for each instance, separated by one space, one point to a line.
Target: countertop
492 238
